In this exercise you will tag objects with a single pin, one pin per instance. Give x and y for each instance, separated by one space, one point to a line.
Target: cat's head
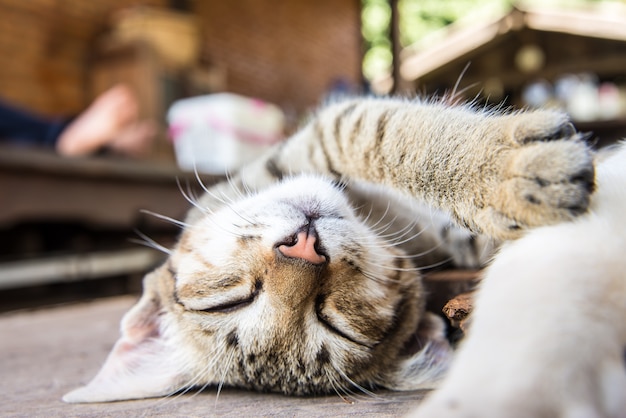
285 291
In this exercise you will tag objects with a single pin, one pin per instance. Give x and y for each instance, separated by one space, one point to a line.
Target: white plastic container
221 132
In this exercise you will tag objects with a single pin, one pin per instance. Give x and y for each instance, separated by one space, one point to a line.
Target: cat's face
283 291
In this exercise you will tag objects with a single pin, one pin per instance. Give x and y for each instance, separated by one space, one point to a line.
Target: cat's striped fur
300 275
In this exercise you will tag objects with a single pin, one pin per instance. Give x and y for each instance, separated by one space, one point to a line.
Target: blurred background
226 79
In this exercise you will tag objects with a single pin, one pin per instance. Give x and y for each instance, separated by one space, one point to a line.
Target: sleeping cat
301 274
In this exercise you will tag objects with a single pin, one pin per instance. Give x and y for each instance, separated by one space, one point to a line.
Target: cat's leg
548 334
496 174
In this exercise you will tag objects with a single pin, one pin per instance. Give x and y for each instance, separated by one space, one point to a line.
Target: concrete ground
46 353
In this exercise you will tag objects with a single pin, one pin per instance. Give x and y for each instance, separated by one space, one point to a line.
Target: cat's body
308 285
548 333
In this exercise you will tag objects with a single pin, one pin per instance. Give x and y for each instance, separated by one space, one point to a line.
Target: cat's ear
141 364
425 360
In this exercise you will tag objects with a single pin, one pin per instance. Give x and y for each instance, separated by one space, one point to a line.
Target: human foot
134 140
109 115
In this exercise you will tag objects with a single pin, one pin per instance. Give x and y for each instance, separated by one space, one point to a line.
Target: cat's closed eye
229 306
225 302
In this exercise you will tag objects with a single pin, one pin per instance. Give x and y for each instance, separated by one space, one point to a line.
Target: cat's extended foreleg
496 174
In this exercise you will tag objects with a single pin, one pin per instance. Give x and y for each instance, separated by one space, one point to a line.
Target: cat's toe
541 125
543 183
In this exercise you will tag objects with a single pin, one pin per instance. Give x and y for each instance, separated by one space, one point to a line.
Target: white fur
548 335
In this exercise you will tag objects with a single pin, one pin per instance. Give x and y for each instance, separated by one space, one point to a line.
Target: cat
548 334
301 274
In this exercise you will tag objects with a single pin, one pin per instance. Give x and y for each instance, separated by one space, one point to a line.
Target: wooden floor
46 353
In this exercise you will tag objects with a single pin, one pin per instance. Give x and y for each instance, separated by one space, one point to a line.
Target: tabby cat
301 274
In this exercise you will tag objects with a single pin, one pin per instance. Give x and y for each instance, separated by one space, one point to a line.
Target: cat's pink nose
303 247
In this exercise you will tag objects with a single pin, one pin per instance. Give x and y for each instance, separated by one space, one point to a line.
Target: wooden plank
77 267
37 185
33 160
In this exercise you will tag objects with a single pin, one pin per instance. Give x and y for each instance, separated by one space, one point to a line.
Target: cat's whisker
384 228
192 200
202 374
364 218
166 218
199 390
394 239
227 200
246 188
348 386
362 389
186 387
223 377
204 187
224 199
391 268
423 253
208 212
383 216
392 244
344 393
149 242
225 229
430 250
398 235
376 279
434 265
233 186
331 381
241 216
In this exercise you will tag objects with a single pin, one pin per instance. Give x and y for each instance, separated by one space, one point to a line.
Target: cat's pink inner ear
142 321
141 364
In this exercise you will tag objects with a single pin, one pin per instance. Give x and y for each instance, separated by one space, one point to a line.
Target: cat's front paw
545 178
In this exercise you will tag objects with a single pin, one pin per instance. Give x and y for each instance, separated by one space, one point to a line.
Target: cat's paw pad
542 183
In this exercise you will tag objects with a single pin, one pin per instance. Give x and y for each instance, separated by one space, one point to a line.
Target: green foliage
376 20
419 18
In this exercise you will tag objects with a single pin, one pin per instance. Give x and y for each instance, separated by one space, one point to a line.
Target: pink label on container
241 134
176 129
